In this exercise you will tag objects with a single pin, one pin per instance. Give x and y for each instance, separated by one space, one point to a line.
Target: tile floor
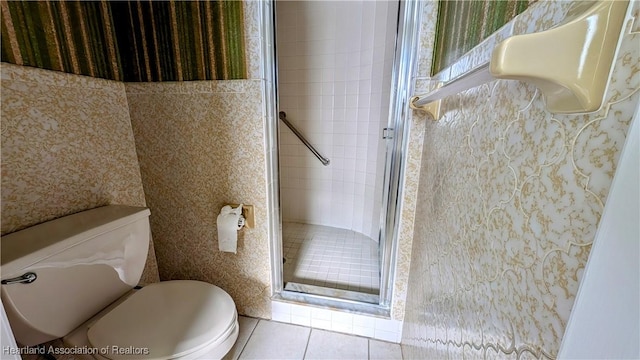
330 257
263 339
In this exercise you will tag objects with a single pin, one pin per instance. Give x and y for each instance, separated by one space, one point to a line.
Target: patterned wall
67 146
464 24
509 202
127 40
201 146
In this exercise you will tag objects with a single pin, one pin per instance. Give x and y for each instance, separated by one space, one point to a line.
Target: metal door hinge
387 133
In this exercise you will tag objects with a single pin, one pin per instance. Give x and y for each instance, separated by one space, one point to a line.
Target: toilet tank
83 262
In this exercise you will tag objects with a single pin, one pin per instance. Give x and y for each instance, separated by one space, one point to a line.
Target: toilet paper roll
228 226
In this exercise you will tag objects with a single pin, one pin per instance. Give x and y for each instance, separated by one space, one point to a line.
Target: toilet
74 278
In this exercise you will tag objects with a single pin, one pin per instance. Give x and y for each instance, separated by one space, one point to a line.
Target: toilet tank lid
169 319
29 246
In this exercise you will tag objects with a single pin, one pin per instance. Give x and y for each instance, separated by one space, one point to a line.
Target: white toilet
72 278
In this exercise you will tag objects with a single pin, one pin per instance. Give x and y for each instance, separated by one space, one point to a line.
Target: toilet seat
171 319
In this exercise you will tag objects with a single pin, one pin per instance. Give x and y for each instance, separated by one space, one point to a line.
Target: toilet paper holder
247 215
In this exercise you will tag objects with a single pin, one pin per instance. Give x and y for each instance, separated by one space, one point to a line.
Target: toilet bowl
179 319
85 267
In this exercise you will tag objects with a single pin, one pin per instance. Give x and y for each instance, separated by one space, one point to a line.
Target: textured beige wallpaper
509 201
200 146
67 146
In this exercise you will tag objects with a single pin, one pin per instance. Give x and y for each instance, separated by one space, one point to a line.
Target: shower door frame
407 39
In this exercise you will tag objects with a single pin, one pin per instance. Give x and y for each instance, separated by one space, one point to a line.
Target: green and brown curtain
127 40
464 24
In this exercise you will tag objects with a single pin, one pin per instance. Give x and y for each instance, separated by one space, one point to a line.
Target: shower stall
335 61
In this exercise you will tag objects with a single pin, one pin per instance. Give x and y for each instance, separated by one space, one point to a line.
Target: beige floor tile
335 346
381 350
273 340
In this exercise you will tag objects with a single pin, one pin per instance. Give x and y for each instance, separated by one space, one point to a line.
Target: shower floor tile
330 257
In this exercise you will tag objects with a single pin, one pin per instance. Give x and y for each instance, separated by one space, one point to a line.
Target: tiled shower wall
335 61
510 198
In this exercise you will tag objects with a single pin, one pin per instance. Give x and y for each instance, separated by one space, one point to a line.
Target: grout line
307 346
369 349
249 338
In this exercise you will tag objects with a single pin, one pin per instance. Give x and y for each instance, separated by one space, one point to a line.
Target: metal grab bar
283 116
